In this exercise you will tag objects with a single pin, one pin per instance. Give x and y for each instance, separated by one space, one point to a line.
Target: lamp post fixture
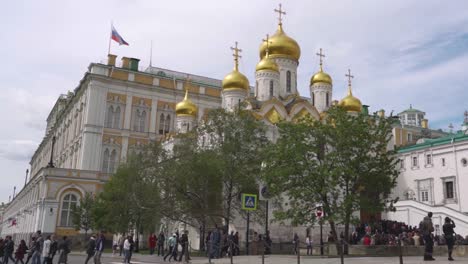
26 178
51 162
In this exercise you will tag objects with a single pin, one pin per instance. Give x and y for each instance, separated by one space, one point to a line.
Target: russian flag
117 38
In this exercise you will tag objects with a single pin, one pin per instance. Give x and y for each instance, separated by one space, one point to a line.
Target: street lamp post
51 162
319 214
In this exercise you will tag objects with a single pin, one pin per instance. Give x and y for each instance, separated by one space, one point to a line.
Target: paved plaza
78 258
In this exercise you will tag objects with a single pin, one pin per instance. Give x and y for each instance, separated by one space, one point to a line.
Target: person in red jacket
152 243
21 251
366 241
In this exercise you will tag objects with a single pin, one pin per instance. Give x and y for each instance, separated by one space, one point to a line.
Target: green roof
460 136
411 110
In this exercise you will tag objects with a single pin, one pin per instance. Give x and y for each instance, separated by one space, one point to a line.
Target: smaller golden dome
321 77
186 107
351 103
235 80
267 64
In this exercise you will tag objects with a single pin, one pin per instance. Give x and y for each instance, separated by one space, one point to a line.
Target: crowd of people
39 251
386 232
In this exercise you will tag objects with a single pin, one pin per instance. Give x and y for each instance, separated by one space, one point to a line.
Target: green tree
193 185
342 162
82 214
130 198
237 140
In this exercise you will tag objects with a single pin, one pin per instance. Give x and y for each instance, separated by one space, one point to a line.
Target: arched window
256 88
167 125
288 81
116 121
312 95
113 161
105 161
139 121
271 88
68 203
161 124
110 113
142 121
327 99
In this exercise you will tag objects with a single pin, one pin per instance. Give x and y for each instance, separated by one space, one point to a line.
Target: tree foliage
237 140
82 214
342 162
130 199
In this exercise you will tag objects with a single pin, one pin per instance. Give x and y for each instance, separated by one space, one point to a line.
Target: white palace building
116 108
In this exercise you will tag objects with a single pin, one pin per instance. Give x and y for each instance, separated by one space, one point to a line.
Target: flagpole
151 54
110 38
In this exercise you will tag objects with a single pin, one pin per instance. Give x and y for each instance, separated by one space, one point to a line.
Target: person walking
268 243
37 255
172 248
296 243
2 253
121 244
8 248
152 243
161 240
99 248
126 250
309 245
91 249
184 243
427 228
236 244
20 252
32 245
46 250
53 248
64 246
449 235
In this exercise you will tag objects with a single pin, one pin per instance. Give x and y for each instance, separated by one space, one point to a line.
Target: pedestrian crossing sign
249 202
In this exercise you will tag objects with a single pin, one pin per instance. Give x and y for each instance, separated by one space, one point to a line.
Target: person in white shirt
126 250
309 243
46 250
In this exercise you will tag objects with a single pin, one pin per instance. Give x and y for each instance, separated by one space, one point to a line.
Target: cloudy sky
401 52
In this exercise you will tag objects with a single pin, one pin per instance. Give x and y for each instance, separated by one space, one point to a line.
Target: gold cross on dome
280 13
267 40
236 55
321 56
349 77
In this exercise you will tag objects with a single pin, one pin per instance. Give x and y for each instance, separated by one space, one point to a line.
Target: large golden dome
351 103
186 107
321 77
280 46
235 80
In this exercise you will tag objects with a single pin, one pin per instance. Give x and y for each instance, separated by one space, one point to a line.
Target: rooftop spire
321 56
280 13
236 56
267 41
466 117
349 81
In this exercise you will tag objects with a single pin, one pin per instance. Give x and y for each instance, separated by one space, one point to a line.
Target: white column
152 121
128 112
94 115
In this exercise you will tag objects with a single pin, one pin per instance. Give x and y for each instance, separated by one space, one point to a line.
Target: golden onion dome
235 80
280 46
186 107
321 77
351 103
267 64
